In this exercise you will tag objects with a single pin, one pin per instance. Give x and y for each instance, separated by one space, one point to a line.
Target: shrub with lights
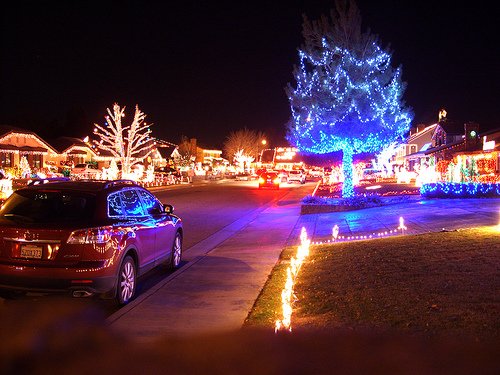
347 96
25 168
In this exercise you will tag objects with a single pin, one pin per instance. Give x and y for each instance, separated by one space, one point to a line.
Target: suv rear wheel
127 281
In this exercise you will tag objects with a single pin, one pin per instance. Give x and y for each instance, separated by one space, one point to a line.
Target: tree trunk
347 186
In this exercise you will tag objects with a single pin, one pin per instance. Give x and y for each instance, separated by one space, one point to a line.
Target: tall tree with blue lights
347 96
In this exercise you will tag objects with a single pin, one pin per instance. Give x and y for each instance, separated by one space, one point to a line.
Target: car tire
176 253
126 281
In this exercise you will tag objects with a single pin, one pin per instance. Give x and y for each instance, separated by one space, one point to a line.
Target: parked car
85 171
296 176
229 174
86 238
269 180
51 170
315 174
283 175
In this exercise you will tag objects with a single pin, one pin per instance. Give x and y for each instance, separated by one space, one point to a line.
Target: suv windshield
49 206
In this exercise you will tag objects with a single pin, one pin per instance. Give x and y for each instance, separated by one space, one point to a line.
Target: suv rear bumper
52 279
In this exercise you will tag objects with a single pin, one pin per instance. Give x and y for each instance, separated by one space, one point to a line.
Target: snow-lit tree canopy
129 144
244 142
347 96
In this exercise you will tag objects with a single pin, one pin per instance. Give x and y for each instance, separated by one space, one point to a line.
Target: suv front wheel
175 259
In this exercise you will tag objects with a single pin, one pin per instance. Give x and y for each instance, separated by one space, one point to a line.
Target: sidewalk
215 291
420 216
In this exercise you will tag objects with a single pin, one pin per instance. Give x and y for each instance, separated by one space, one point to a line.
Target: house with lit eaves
16 143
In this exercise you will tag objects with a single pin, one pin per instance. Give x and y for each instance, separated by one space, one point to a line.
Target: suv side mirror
169 209
156 211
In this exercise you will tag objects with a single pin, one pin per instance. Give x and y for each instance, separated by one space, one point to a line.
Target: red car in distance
269 180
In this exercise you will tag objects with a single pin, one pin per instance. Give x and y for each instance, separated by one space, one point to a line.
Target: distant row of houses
17 142
443 140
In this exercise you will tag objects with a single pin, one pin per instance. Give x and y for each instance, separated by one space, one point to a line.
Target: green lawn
445 283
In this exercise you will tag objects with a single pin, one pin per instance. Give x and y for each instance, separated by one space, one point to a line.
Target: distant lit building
279 158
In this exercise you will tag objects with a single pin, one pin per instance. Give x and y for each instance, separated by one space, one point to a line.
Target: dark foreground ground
59 339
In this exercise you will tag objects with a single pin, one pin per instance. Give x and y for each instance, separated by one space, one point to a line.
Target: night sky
205 68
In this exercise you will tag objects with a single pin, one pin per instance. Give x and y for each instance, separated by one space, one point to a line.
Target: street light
263 142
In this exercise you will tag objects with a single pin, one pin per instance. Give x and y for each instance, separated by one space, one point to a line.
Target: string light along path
287 294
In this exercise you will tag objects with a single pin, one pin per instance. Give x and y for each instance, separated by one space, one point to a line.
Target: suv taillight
99 235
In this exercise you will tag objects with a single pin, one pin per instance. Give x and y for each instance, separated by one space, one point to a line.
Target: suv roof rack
120 183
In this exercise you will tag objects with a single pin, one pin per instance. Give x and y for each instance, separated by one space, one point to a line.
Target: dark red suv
85 237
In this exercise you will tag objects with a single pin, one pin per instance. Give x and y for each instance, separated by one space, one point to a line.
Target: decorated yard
430 285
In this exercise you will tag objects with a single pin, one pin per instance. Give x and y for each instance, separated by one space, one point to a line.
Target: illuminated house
474 156
73 150
451 138
482 164
491 148
438 142
162 155
208 156
16 143
419 141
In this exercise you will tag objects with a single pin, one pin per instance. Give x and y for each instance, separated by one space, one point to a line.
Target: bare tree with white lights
245 143
129 144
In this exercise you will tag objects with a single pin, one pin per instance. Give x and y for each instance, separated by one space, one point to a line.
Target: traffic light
472 141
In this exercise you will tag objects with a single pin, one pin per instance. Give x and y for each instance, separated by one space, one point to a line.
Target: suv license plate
31 251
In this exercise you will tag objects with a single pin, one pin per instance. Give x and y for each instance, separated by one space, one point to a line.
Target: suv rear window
49 206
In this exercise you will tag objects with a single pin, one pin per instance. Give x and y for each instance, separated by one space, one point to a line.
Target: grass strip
445 283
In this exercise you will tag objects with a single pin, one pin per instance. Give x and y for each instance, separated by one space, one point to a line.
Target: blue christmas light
460 190
348 101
